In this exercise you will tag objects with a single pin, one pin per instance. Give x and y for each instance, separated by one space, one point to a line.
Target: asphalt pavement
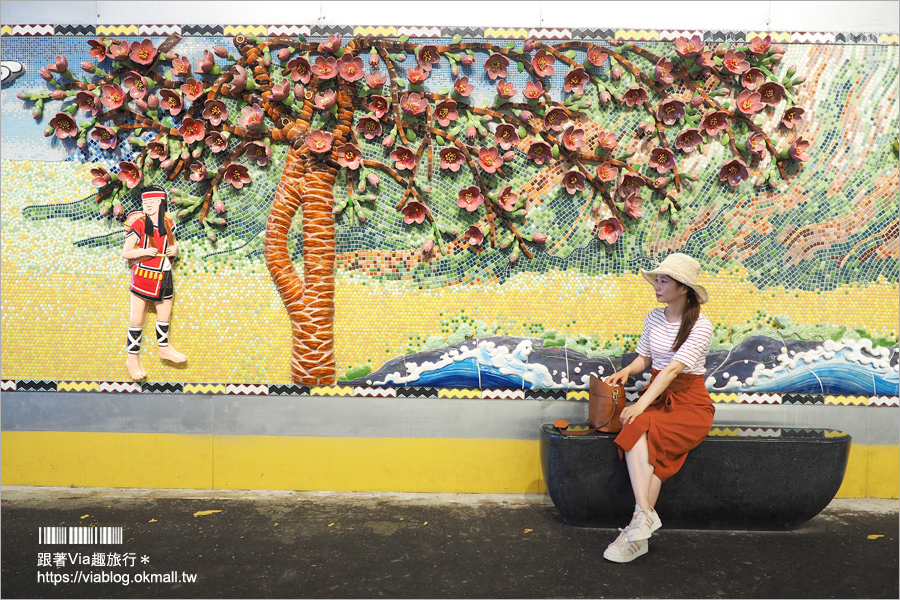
204 544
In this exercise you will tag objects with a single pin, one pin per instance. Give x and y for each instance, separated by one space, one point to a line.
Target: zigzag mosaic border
424 32
250 389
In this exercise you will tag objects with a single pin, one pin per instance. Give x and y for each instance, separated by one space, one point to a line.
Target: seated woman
674 413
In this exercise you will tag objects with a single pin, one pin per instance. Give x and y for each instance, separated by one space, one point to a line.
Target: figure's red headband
153 195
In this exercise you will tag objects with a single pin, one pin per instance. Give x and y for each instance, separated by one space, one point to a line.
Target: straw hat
683 269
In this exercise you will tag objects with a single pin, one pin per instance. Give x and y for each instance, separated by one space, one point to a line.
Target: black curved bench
738 478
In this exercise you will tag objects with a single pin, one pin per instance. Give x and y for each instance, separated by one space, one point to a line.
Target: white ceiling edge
808 16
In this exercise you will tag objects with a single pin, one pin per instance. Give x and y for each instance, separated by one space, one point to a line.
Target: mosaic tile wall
801 258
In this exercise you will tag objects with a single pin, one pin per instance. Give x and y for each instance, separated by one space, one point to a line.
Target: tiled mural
451 211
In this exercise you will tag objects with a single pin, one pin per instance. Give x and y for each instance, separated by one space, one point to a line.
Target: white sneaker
623 551
643 523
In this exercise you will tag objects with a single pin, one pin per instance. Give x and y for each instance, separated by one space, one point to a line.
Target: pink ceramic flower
633 206
414 212
606 140
463 87
506 135
573 138
688 48
606 172
332 45
505 89
707 59
171 101
489 159
238 79
629 183
445 112
191 130
369 126
251 117
416 75
543 63
735 63
198 171
130 174
507 199
205 64
714 121
760 45
119 52
379 105
734 171
351 67
609 230
573 181
555 118
688 139
575 80
113 96
451 158
474 235
64 125
413 104
427 56
299 69
319 141
98 50
662 159
237 175
792 116
180 67
539 152
142 53
87 102
496 65
771 93
404 158
214 111
670 110
752 78
349 156
216 142
158 149
325 100
375 79
533 91
596 56
325 68
101 177
192 89
663 71
106 137
470 198
797 150
748 102
756 143
634 95
137 85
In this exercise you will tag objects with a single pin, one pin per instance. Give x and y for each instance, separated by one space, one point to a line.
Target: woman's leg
655 485
135 330
640 471
163 314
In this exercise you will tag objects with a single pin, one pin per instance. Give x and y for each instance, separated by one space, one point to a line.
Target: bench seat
738 478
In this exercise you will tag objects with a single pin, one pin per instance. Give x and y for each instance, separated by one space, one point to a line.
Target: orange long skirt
675 424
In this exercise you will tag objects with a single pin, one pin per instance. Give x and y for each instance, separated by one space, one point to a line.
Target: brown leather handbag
605 404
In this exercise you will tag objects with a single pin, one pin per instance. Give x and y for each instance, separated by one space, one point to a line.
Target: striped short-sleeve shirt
659 336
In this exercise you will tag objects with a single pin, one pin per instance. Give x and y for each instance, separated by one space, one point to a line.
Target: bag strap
563 427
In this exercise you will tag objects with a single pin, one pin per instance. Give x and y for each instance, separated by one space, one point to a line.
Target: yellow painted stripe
78 386
725 398
378 464
637 34
889 38
459 393
5 30
506 34
846 400
577 395
381 31
117 30
148 460
204 388
246 30
778 37
333 390
723 432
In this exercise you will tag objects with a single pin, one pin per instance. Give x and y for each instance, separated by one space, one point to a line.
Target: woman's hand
172 250
630 413
618 378
148 252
